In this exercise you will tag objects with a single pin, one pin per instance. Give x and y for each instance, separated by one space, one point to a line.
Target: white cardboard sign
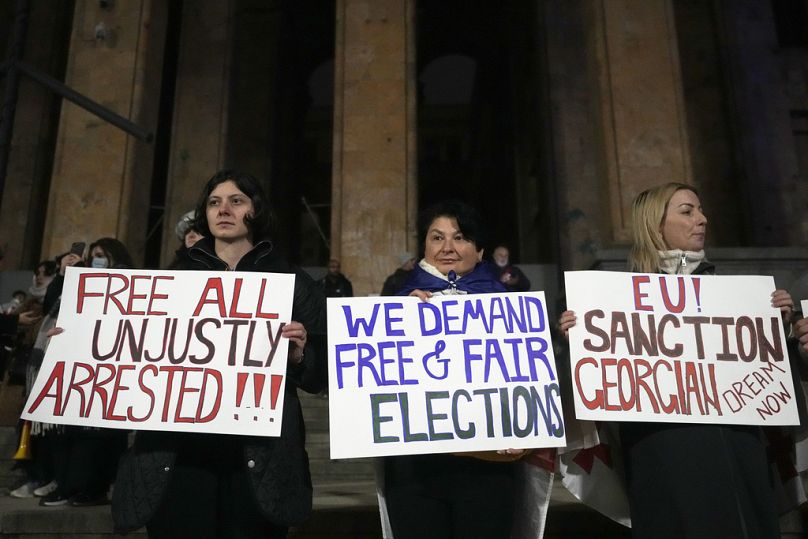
678 349
186 351
456 373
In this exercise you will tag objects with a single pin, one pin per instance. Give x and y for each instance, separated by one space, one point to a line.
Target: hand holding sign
781 299
680 349
455 373
801 328
296 334
566 321
152 351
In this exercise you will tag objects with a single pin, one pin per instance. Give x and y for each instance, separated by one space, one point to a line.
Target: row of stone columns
101 177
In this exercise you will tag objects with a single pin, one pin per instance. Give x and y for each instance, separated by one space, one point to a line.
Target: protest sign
456 373
678 349
186 351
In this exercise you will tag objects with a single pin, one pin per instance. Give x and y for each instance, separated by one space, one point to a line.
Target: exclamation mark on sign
258 390
697 290
276 389
241 381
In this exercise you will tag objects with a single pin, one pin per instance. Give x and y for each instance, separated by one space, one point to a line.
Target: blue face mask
99 262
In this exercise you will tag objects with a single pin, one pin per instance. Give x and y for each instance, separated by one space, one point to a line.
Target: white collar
432 270
677 261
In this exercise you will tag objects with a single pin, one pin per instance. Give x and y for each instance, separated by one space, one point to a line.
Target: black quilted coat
278 467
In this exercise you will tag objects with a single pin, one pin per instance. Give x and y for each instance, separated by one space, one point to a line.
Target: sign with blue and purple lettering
456 373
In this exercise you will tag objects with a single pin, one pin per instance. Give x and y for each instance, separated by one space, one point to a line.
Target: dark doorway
301 133
478 107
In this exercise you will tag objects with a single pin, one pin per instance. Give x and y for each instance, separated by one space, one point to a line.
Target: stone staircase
344 494
345 501
325 471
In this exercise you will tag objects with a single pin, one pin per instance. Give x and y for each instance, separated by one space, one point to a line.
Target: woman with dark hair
84 459
213 485
108 253
690 480
445 495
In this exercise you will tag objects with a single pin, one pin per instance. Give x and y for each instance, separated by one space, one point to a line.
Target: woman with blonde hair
690 480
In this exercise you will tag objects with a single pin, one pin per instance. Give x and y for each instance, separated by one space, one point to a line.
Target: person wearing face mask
109 253
85 459
690 480
102 253
510 275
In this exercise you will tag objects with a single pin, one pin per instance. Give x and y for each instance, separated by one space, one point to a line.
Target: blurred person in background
335 284
396 280
509 275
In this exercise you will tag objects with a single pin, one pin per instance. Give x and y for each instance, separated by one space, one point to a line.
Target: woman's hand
70 259
54 331
423 295
28 318
801 332
565 322
296 333
514 452
782 300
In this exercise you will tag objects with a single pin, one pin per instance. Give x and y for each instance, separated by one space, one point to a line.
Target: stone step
11 475
343 523
326 470
24 518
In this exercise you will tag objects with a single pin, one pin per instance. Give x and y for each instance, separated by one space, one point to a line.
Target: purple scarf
482 280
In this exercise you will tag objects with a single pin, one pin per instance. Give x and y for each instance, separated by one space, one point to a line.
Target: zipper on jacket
682 263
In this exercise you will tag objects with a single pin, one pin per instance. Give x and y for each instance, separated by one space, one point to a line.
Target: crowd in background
683 480
67 465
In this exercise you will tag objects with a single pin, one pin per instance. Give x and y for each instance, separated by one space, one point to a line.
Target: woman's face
685 225
41 278
447 249
99 258
226 212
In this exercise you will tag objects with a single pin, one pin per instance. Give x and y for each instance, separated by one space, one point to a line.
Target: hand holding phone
77 248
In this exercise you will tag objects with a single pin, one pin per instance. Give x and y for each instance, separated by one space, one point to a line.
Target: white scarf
677 261
39 291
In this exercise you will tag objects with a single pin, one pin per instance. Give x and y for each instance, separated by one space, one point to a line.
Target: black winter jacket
278 467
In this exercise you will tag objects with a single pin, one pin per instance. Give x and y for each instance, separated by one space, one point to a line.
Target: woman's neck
232 252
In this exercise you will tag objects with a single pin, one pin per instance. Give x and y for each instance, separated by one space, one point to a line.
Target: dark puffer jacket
278 467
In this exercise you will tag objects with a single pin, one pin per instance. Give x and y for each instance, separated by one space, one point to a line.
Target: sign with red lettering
678 349
465 372
186 351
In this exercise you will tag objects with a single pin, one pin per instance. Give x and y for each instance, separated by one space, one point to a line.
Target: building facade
549 116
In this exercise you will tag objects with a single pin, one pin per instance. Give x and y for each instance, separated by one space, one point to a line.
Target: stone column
374 188
28 174
100 174
641 102
199 129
